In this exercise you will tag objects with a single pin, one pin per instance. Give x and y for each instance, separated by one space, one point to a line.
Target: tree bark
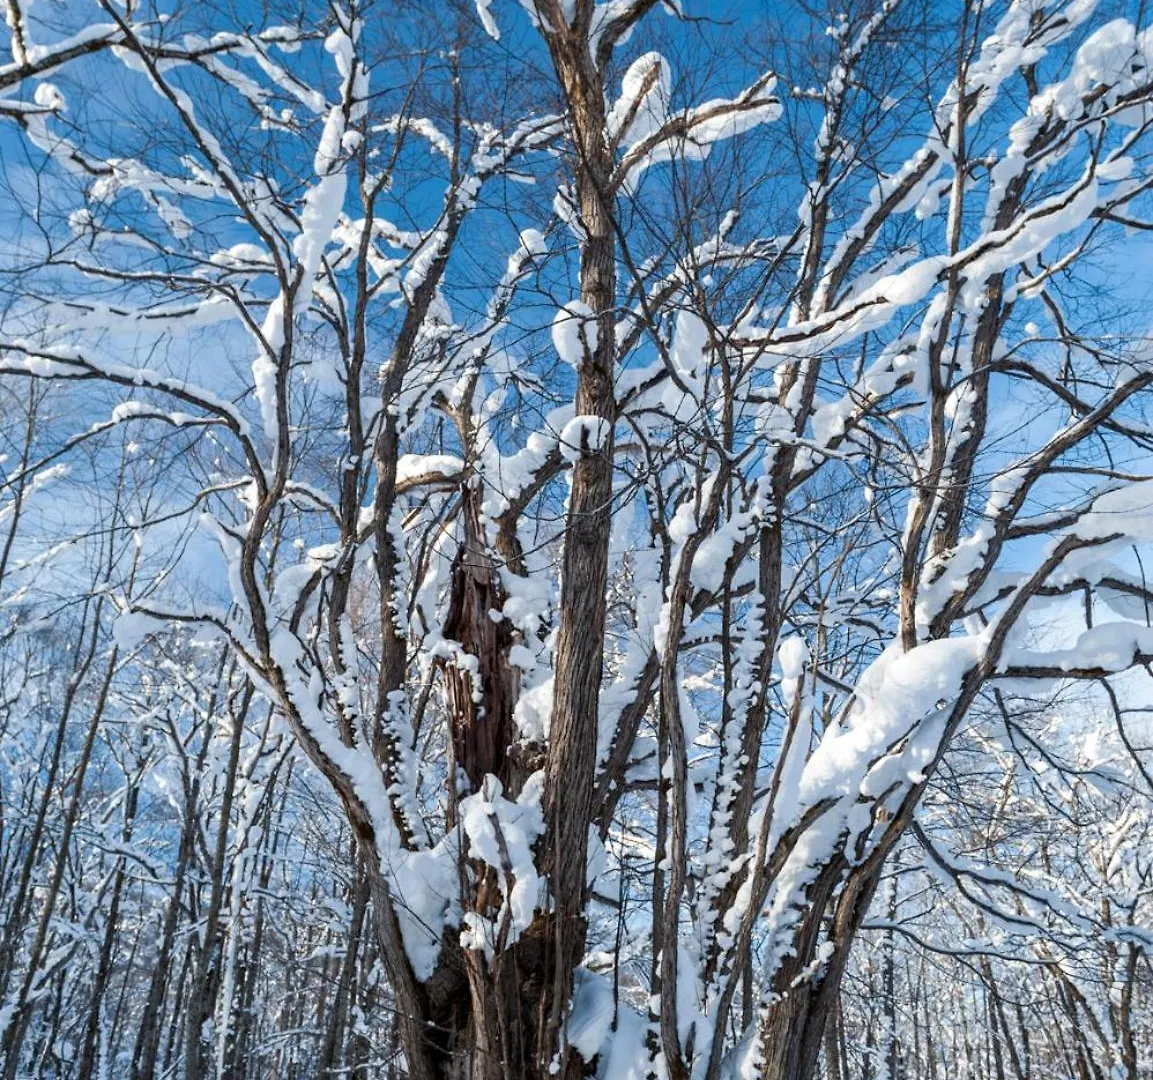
579 653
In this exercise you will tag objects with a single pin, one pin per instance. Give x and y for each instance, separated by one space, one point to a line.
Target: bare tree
628 559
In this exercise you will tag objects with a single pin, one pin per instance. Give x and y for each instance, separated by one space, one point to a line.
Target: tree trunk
584 571
104 964
206 979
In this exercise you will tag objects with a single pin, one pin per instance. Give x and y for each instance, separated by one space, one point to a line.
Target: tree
623 501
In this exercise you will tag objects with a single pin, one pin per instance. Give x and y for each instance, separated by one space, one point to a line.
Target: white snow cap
484 10
584 435
644 102
574 332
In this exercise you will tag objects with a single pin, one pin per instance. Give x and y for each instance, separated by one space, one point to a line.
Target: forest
576 538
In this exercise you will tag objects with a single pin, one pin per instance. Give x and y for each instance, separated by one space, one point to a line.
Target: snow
644 102
584 435
591 1015
410 467
893 695
501 833
574 332
625 1055
423 127
1125 511
714 552
728 123
484 11
1130 605
265 366
39 54
131 628
48 96
1108 646
697 129
322 205
792 656
533 710
424 886
1106 54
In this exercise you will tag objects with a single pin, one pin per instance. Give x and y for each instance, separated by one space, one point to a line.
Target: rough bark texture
491 1008
584 571
481 715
